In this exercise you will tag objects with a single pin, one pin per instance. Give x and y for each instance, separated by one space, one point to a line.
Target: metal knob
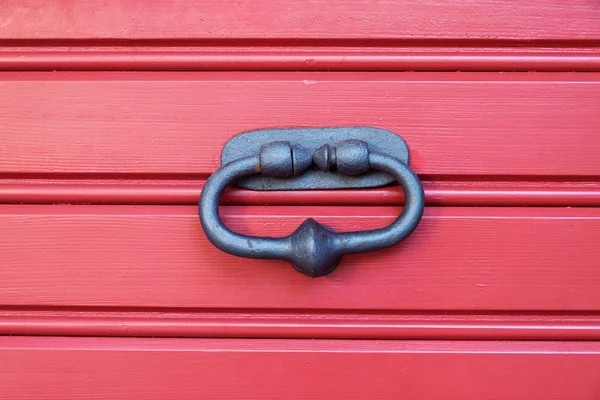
313 249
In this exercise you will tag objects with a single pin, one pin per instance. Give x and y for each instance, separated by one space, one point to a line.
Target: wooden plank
315 59
137 368
157 256
174 192
281 19
260 323
174 124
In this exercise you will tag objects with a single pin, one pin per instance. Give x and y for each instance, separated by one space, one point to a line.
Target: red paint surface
314 59
471 279
328 324
157 256
525 20
137 368
475 193
175 124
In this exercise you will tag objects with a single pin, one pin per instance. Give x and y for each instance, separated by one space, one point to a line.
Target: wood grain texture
175 124
261 323
137 368
157 256
525 20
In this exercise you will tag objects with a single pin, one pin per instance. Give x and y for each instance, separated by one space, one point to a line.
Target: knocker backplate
379 140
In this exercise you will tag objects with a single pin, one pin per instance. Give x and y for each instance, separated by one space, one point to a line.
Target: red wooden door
113 116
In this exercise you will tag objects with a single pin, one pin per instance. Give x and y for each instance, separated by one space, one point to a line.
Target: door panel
157 256
299 324
130 300
187 192
175 124
138 368
321 19
372 57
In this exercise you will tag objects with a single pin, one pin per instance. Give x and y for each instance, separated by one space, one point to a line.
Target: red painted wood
173 125
258 323
137 368
152 138
544 194
267 59
322 19
157 256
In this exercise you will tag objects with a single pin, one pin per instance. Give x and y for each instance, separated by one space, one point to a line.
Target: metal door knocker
301 158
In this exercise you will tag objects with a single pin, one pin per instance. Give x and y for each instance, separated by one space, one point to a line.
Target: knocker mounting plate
379 140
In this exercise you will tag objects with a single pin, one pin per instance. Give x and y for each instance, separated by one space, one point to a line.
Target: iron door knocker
360 158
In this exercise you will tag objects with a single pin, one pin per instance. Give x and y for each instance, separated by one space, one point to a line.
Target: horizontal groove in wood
148 368
540 194
525 20
459 258
331 325
300 345
366 60
461 124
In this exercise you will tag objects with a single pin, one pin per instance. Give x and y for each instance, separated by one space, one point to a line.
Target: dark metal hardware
379 140
313 249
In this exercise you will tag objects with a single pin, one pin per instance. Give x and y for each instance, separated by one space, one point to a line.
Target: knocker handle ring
313 249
